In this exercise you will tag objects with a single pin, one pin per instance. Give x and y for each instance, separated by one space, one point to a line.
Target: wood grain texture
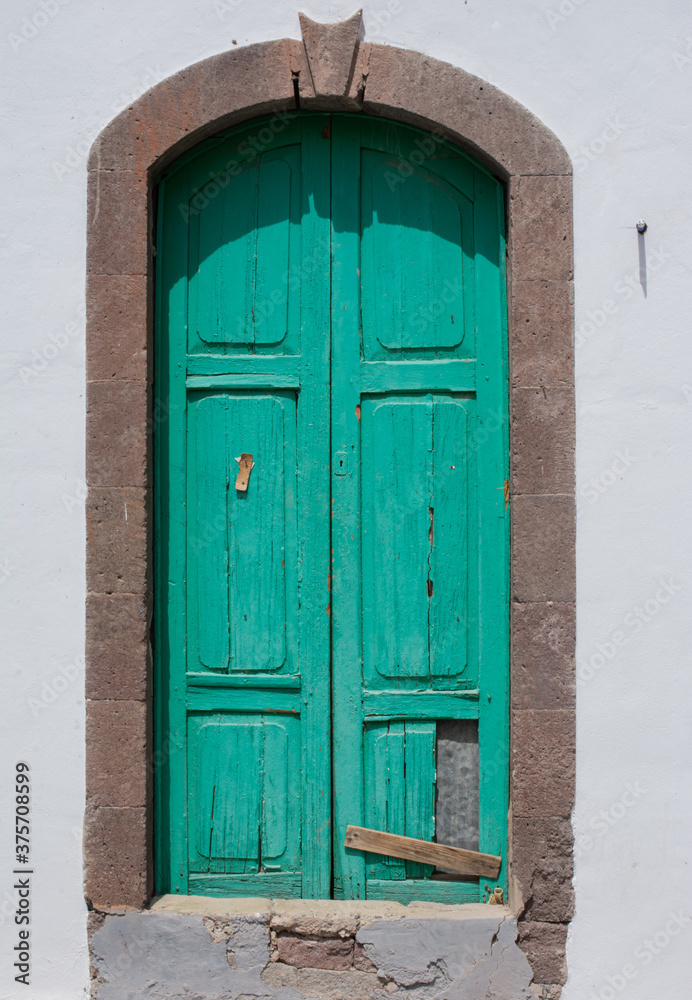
423 852
334 308
243 575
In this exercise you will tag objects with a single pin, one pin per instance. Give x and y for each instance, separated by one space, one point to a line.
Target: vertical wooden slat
420 789
396 467
493 521
272 251
208 558
257 517
313 488
170 419
449 562
349 874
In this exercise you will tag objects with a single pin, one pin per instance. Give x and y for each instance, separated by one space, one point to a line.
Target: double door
331 625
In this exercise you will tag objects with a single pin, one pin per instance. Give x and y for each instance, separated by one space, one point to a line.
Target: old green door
331 640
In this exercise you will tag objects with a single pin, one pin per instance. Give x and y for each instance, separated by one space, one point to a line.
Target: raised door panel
453 549
244 795
396 477
244 254
419 605
419 396
242 624
242 593
416 262
400 790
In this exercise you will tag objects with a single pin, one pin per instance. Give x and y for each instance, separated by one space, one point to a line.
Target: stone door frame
332 69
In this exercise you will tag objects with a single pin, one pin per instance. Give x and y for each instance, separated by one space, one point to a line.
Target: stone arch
331 69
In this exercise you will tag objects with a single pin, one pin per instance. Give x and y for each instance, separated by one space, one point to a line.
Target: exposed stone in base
546 991
254 950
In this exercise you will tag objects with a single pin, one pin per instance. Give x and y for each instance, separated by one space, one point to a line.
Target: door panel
244 241
419 527
242 544
331 302
400 790
396 471
242 631
452 613
416 245
244 795
416 608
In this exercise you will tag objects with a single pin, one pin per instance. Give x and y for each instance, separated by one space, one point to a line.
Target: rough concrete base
256 949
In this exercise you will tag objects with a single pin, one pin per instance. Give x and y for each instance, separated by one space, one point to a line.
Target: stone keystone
331 53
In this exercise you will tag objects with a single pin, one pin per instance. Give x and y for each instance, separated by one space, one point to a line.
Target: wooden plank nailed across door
452 858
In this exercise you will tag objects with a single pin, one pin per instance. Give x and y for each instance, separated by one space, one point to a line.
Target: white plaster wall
68 67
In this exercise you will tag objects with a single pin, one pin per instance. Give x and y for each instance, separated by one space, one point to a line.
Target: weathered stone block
116 738
325 984
361 960
117 433
542 337
541 228
543 672
542 867
117 220
116 541
330 50
542 763
117 335
118 871
544 946
416 88
315 953
542 440
543 531
116 647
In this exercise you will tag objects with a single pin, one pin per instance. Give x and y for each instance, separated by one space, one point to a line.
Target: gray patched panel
171 957
168 956
456 803
450 959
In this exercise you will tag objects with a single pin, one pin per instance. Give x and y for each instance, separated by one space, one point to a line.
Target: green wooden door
331 642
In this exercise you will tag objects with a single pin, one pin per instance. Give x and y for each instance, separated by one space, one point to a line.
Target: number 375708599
22 825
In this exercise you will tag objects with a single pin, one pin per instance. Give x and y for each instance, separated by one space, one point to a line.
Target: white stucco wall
613 77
